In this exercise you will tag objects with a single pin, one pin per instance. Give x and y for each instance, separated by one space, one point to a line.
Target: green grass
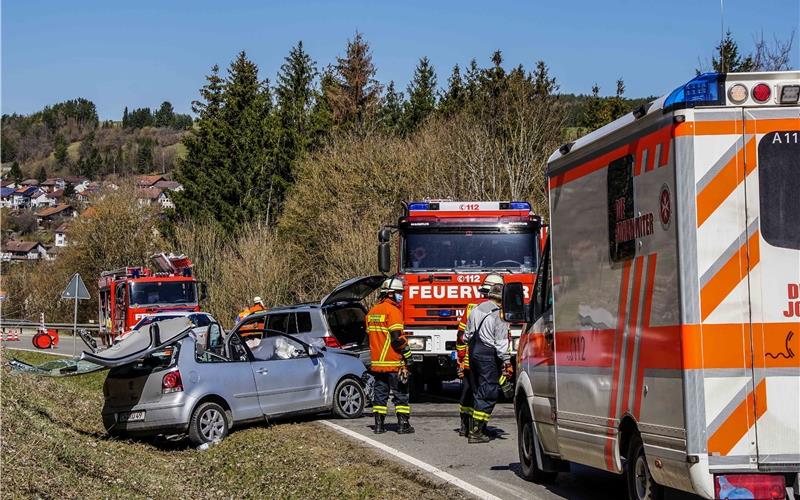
54 446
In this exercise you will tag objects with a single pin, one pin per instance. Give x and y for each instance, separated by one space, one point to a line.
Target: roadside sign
76 289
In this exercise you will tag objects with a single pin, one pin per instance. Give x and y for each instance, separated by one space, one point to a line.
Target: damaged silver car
202 382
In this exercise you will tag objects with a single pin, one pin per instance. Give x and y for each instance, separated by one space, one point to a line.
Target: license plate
132 416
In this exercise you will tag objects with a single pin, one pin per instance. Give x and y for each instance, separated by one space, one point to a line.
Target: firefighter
487 337
258 306
466 402
390 356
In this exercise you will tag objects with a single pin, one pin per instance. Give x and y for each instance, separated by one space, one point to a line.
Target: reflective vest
383 318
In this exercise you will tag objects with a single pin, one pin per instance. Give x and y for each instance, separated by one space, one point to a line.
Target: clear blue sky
139 53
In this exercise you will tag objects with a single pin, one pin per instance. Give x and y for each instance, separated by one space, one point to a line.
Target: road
492 467
64 347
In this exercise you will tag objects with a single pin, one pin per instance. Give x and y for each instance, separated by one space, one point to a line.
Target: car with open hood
184 379
336 321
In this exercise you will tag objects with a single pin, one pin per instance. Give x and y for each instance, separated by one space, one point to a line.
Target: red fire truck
130 293
446 249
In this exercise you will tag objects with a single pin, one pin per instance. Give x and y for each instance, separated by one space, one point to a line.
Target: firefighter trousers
386 382
485 373
467 401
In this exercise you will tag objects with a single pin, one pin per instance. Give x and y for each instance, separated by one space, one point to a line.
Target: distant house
154 196
7 197
169 185
53 184
22 197
30 182
52 214
79 182
43 199
8 183
146 181
90 190
22 250
60 235
58 194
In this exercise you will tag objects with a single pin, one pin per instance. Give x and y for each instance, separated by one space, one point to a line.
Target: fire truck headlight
417 343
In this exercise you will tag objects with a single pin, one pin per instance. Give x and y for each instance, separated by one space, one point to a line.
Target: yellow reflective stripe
388 363
396 326
480 415
465 409
402 409
384 350
502 379
379 409
462 326
461 347
407 354
375 328
376 318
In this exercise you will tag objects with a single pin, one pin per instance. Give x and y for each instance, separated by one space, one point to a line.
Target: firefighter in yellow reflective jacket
467 397
390 356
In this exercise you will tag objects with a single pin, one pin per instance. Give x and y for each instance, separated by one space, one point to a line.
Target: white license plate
132 416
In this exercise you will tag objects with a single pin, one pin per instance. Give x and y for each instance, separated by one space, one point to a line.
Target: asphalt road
64 347
493 467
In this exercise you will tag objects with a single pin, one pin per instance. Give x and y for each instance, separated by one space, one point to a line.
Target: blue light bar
444 313
703 90
520 205
418 206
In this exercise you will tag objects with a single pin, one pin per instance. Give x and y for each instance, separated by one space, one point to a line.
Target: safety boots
478 433
403 426
379 419
466 423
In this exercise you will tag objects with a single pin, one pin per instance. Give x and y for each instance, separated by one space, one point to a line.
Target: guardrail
23 323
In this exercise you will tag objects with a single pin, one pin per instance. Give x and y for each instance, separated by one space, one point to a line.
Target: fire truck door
120 309
772 160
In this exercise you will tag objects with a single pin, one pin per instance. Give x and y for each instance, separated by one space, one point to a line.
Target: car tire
349 399
527 451
209 423
641 485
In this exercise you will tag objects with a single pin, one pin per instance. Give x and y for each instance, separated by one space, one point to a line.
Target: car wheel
208 423
527 449
348 399
641 485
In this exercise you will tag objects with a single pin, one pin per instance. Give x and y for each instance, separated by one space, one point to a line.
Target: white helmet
489 281
258 300
392 285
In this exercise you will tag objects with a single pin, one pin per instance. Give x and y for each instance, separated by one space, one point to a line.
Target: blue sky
142 52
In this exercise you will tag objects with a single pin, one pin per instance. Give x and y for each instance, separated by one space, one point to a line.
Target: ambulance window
779 185
621 241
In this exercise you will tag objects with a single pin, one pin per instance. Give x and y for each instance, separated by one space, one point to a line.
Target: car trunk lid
134 347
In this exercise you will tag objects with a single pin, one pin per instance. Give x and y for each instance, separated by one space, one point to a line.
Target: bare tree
775 56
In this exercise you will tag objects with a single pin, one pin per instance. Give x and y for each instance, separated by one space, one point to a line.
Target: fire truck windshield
471 251
162 292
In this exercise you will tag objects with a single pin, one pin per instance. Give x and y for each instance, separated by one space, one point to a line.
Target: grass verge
53 446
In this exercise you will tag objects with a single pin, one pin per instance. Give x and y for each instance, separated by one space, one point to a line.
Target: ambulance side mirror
514 308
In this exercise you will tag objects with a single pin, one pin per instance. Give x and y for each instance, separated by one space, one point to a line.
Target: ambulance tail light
761 93
749 486
707 89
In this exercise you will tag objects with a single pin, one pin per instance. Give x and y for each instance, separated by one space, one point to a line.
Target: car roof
178 314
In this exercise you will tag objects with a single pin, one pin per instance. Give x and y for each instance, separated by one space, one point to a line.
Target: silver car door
287 378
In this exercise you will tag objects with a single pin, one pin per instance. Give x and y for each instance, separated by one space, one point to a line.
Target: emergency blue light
418 206
444 313
703 90
520 205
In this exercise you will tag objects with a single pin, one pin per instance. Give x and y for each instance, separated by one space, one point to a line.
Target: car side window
303 322
278 322
208 347
291 327
236 348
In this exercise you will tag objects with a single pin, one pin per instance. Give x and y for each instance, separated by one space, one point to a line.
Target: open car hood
141 343
353 290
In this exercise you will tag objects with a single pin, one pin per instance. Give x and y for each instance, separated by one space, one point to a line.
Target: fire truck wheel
527 449
641 485
42 341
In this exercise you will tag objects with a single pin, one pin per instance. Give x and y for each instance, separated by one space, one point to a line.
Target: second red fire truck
446 249
130 293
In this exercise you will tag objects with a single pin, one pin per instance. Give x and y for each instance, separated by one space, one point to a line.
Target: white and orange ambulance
663 336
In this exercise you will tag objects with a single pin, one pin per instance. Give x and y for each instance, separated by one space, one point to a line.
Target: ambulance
662 339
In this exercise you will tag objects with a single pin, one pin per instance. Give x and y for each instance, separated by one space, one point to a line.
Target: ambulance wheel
641 485
527 449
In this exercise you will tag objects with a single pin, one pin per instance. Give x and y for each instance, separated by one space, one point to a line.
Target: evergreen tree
295 97
165 116
15 172
421 96
41 176
493 80
8 148
228 171
472 80
730 61
69 190
125 118
89 161
596 112
355 96
454 98
391 115
144 157
322 112
543 84
617 106
60 151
